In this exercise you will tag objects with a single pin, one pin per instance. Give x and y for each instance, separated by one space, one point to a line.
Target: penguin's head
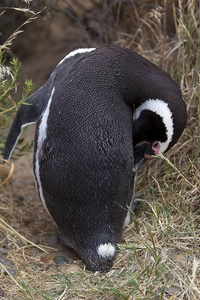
154 128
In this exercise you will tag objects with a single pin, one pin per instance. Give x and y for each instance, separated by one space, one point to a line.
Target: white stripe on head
162 109
42 134
106 250
74 52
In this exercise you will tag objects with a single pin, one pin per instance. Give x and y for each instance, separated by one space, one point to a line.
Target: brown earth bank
63 25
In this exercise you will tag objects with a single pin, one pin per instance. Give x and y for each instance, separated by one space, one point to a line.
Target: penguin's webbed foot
135 201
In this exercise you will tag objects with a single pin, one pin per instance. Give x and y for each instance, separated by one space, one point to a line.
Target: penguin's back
84 155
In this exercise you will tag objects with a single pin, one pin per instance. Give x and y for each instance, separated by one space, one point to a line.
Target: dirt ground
34 223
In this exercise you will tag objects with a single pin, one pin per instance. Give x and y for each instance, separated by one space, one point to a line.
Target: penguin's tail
29 113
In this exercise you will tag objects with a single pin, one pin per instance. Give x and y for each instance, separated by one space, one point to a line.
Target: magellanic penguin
87 147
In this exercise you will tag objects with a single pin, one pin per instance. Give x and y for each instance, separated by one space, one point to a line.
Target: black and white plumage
88 148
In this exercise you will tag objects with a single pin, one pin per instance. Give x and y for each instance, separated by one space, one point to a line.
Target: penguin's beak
156 149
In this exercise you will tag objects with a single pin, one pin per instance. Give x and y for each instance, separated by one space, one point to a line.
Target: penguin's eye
156 144
144 136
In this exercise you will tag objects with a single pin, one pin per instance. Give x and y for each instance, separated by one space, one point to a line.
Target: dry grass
159 257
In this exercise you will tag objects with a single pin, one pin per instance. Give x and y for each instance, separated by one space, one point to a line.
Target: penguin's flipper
29 113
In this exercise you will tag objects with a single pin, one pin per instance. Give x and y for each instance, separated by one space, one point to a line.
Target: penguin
88 146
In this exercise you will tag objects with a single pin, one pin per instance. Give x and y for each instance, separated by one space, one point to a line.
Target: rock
20 183
2 237
173 290
40 266
10 271
2 294
27 220
36 265
36 232
53 240
19 198
113 297
6 261
47 258
4 250
35 240
50 267
180 257
70 268
60 260
35 252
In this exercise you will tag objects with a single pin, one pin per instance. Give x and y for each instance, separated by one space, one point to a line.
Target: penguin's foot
135 201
